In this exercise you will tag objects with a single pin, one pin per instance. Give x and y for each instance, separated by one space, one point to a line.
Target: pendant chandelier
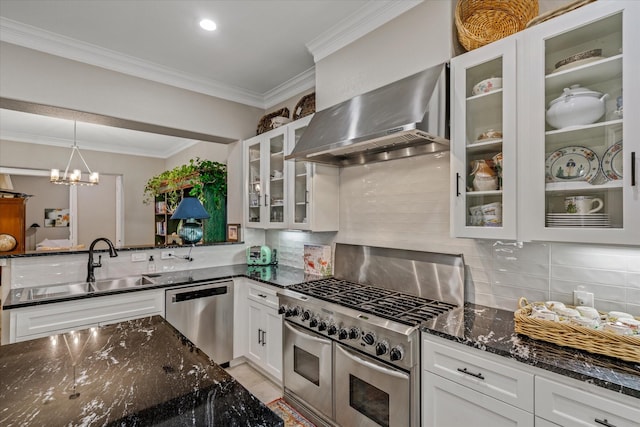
75 177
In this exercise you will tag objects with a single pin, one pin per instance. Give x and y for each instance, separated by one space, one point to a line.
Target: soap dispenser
151 266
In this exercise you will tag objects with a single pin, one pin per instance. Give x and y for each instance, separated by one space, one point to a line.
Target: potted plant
208 182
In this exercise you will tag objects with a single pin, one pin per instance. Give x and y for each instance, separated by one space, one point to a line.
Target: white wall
405 203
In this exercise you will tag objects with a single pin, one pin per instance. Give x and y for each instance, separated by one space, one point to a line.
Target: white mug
582 204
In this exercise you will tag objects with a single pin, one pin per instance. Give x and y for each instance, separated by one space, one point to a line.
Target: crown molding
55 44
371 16
292 87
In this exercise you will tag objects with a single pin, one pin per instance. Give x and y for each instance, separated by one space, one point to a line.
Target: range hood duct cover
403 119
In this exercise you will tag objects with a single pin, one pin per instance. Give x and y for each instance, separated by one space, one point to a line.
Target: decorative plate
612 162
7 242
573 163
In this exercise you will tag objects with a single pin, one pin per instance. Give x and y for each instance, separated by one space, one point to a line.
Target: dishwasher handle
198 293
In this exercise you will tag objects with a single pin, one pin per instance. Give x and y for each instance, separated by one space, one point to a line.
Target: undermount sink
74 289
122 283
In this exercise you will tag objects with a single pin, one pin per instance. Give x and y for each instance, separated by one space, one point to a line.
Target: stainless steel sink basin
56 291
122 283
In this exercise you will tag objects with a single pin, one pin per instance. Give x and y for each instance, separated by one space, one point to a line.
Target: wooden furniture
12 221
165 226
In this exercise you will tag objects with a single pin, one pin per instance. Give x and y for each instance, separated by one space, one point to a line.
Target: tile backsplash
405 204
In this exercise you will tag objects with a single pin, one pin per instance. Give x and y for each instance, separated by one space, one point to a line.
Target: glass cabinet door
276 198
483 142
586 151
254 192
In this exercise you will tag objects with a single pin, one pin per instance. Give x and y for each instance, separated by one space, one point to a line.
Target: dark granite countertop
275 275
136 373
492 330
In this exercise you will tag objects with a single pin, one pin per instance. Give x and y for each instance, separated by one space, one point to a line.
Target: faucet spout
91 266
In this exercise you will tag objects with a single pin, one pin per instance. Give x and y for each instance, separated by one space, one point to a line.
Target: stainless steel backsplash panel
431 275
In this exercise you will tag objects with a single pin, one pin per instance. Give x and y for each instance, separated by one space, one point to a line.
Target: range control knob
354 333
382 348
397 353
306 315
323 325
282 309
369 338
313 322
343 334
292 312
332 329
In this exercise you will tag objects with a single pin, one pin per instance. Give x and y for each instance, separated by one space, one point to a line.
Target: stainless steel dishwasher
204 314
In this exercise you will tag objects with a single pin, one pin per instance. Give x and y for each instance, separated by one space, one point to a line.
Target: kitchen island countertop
134 373
492 330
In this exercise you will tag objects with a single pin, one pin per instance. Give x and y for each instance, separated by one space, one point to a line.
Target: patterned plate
612 162
572 163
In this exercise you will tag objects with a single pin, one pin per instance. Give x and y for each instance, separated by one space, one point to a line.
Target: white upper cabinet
285 194
569 90
265 180
580 126
483 161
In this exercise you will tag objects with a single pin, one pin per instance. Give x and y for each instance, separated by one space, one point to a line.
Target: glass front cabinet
566 107
581 122
286 194
265 180
484 142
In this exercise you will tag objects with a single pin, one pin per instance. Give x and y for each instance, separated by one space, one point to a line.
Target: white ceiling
262 53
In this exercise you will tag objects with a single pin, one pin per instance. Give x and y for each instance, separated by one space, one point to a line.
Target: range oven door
307 368
370 393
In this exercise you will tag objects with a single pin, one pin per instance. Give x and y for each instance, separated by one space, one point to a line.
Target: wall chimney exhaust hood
403 119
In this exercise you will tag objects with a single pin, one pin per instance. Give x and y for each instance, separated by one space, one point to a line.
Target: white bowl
487 85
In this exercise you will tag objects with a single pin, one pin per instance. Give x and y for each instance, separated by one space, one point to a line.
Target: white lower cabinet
460 387
45 320
450 404
265 329
466 386
569 406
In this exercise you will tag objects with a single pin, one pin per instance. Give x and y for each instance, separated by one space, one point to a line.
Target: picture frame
233 232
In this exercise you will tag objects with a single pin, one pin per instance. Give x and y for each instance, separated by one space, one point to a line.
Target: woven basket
304 107
480 22
594 341
265 123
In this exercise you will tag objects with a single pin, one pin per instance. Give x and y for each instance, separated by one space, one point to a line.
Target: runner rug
291 417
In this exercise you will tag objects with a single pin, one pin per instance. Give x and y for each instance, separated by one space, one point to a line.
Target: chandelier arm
83 161
66 170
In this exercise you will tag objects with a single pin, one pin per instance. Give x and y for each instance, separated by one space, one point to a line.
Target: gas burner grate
393 305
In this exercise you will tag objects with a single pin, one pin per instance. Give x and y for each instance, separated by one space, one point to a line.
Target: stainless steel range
351 343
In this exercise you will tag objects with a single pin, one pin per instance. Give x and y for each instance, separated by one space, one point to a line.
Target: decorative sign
56 217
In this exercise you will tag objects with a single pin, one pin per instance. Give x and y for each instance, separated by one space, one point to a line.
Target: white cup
582 204
277 174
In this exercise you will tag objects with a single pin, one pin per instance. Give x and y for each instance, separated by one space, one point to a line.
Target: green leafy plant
197 174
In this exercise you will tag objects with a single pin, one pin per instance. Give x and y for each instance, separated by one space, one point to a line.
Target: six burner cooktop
394 305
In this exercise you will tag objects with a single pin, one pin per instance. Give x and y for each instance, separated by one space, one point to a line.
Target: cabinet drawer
505 383
449 404
569 407
56 318
263 295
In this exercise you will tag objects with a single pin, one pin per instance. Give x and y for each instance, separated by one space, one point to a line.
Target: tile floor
262 387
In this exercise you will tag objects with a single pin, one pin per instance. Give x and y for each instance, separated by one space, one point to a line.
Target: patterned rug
291 417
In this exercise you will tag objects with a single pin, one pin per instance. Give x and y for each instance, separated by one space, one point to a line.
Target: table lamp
189 210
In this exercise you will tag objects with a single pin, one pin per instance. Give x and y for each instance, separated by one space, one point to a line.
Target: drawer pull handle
464 371
262 296
260 336
604 422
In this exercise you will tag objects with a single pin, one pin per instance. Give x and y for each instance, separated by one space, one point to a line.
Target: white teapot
576 106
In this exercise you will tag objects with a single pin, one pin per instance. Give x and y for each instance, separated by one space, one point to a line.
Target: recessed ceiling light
208 24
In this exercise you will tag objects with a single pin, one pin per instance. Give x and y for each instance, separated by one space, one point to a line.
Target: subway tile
588 275
520 280
608 292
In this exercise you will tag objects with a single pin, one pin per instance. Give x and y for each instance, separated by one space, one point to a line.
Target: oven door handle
374 366
294 329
